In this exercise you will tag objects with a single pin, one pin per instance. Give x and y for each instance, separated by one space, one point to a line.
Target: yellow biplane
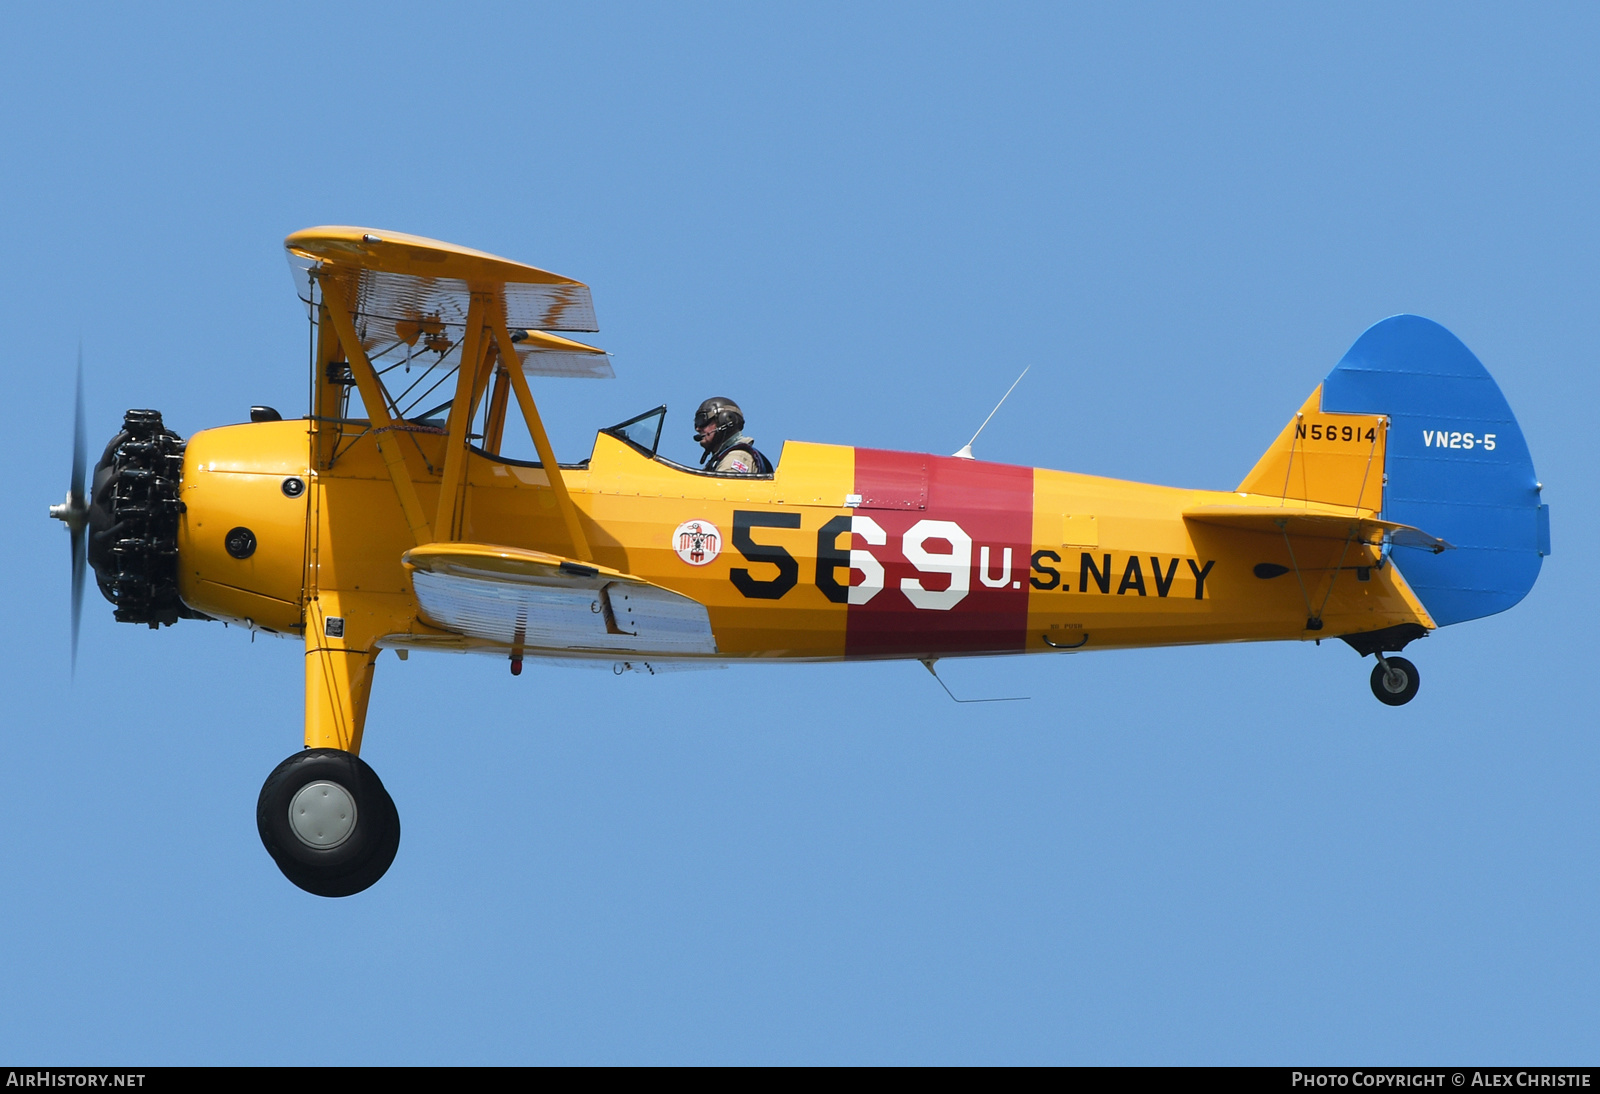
1398 499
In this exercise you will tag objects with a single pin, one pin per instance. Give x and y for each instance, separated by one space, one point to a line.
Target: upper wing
1313 523
391 277
533 600
410 294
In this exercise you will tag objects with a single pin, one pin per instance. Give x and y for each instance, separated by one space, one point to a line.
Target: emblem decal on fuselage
698 542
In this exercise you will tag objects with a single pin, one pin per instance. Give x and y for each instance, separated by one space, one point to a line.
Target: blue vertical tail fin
1457 466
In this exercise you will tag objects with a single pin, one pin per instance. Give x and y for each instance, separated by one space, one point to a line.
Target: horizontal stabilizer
533 600
1306 523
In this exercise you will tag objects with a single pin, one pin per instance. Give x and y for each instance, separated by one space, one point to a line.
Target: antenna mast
966 450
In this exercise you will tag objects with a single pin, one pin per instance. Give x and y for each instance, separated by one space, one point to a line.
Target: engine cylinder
133 521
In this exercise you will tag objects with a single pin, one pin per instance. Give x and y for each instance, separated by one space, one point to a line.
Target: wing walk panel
532 600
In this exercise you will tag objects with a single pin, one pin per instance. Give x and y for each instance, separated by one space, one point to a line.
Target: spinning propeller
74 513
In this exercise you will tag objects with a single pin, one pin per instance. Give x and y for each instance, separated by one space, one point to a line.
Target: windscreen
643 432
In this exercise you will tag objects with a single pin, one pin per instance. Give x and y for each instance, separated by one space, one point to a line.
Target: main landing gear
327 822
1394 680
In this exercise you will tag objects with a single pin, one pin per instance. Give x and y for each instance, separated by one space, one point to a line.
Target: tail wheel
327 822
1394 681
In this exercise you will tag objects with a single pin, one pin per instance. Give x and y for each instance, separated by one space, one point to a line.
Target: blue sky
861 222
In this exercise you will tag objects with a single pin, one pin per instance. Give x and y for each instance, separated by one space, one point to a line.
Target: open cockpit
641 434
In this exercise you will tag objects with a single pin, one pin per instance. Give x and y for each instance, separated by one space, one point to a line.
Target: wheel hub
322 815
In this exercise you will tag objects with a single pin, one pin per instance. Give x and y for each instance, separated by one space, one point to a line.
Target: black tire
1400 672
363 854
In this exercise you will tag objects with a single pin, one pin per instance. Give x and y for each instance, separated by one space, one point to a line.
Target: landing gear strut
1394 680
327 822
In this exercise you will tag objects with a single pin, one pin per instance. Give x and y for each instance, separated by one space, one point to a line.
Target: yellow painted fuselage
842 553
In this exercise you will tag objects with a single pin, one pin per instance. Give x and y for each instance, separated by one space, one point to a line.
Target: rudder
1457 465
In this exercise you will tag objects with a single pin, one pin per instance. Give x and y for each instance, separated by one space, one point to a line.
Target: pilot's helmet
725 414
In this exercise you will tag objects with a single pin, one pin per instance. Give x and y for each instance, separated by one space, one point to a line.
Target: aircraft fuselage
844 553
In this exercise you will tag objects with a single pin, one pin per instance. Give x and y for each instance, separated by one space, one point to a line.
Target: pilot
719 427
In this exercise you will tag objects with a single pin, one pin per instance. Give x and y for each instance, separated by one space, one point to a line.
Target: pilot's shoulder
739 460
